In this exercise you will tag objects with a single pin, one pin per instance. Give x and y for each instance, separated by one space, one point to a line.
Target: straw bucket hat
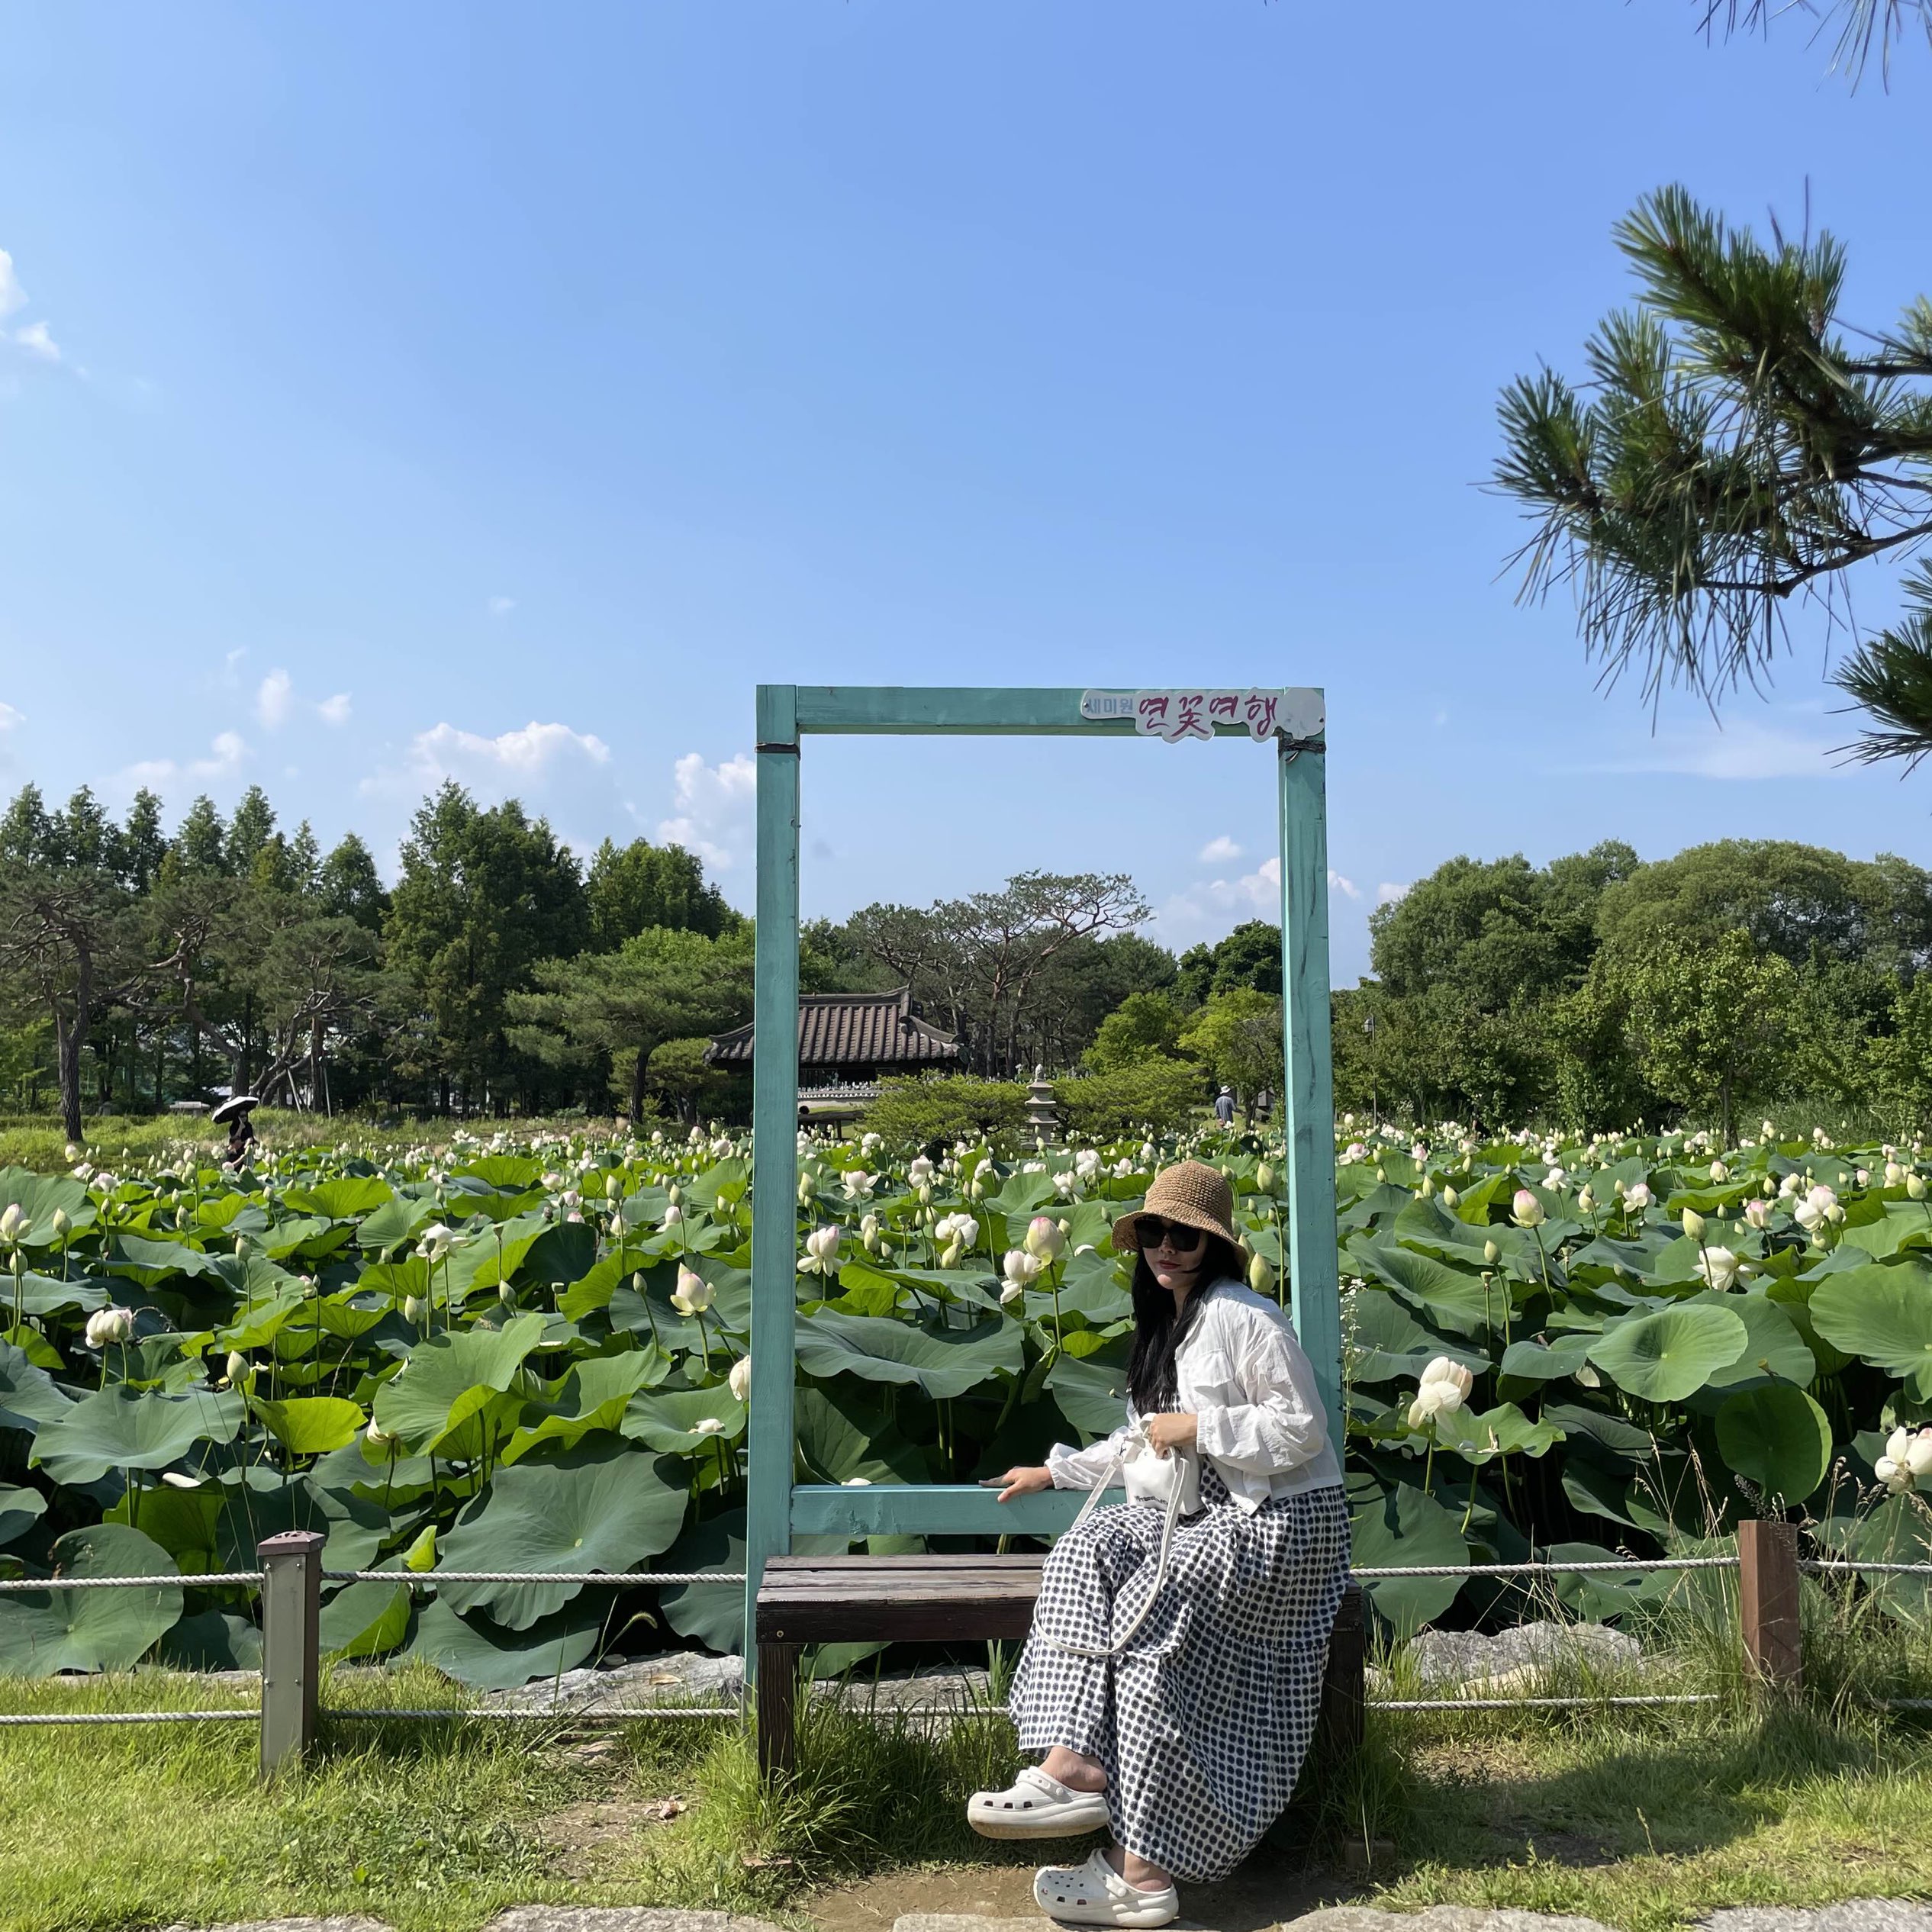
1190 1192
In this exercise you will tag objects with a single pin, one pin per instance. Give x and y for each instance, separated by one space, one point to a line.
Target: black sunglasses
1153 1232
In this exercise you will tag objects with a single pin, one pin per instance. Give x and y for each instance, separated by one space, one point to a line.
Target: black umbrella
238 1103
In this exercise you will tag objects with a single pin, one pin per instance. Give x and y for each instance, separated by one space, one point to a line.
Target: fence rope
249 1716
1528 1703
1829 1563
560 1713
170 1582
609 1579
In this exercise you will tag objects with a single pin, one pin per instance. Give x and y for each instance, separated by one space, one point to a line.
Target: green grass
1639 1819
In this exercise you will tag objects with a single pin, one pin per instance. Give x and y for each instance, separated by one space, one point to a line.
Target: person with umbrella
235 1110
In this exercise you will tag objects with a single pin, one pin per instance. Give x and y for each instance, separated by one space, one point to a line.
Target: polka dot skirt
1203 1720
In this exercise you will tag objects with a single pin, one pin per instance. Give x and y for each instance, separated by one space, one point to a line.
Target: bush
944 1107
1160 1094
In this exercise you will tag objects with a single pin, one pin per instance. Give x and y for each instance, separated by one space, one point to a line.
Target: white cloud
1387 894
713 807
9 717
334 710
445 752
227 750
1346 888
275 699
501 607
1740 749
34 338
12 296
1222 851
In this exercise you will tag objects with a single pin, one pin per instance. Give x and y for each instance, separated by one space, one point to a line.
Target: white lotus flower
1525 1210
1444 1388
858 1482
1719 1171
919 1173
1719 1267
1894 1475
693 1294
707 1425
177 1479
107 1324
953 1227
821 1255
1639 1197
1020 1270
1586 1198
673 1216
1758 1213
1353 1152
739 1379
435 1242
15 1227
1814 1211
1046 1239
1148 1153
415 1311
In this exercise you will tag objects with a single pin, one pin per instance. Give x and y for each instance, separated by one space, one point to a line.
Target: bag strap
1120 1643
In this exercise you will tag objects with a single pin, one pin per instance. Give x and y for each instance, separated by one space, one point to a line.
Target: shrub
1158 1093
944 1107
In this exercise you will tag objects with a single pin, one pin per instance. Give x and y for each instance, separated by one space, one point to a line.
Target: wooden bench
806 1600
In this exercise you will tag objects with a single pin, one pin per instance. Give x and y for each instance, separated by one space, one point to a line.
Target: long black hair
1153 1385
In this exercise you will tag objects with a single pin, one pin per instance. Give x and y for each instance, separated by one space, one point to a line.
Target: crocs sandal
1036 1806
1095 1893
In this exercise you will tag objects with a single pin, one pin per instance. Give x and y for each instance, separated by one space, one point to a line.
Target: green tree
143 844
84 838
27 832
483 896
634 887
1237 1036
200 843
1709 1017
348 886
1144 1026
1734 448
661 984
1250 956
249 831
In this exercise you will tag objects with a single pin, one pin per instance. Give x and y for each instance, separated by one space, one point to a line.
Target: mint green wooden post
1308 1077
776 1508
774 1150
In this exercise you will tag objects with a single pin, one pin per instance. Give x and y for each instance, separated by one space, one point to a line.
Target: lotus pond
529 1355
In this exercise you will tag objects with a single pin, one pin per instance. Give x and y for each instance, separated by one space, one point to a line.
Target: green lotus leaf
714 1613
945 1362
1671 1354
508 1174
484 1259
19 1510
211 1640
308 1236
1535 1361
46 1294
593 1395
1882 1315
43 1633
565 1252
151 1261
181 1521
1498 1432
1896 1531
450 1378
40 1197
311 1425
596 1509
1091 1392
116 1428
486 1656
365 1620
262 1504
1398 1526
1455 1297
1774 1350
667 1419
341 1197
1775 1436
28 1398
257 1322
395 1221
842 1432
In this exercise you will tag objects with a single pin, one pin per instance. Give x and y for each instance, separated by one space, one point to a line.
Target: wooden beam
926 1509
1767 1603
913 709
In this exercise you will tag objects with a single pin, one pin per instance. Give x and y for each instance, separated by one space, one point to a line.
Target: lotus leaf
395 1222
1775 1436
1387 1343
450 1379
1399 1526
181 1521
842 1433
343 1197
28 1398
1774 1350
19 1510
1896 1531
117 1428
261 1504
485 1655
667 1419
593 1395
311 1425
1498 1431
44 1632
44 1294
1460 1301
40 1197
1667 1356
1881 1314
1091 1392
365 1620
944 1362
150 1261
1534 1361
211 1640
594 1508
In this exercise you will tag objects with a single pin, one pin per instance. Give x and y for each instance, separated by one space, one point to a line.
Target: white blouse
1242 1372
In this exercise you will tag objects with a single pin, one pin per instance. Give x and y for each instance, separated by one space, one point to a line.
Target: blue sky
501 392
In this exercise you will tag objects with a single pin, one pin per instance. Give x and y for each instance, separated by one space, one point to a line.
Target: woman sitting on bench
1175 1660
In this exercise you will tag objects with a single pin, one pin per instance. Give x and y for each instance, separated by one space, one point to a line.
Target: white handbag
1172 1482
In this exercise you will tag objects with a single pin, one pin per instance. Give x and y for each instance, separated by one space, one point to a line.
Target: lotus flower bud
61 1224
707 1425
1492 1253
415 1311
377 1437
739 1379
1719 1171
1265 1178
613 1188
1525 1210
235 1367
109 1325
693 1294
1044 1239
1758 1213
1260 1276
674 1216
14 1227
1693 1224
1586 1198
1020 1270
949 1255
1427 1188
1381 1173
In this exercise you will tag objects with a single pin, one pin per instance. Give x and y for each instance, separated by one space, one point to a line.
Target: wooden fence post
1767 1603
291 1615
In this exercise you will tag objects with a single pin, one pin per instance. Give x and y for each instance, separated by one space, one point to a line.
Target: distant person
235 1112
1224 1106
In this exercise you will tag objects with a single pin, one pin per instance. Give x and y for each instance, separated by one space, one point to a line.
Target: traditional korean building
847 1043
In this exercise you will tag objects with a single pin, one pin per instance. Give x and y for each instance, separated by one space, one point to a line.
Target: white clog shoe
1095 1893
1036 1806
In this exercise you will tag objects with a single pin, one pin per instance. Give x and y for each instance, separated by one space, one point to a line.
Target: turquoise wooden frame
777 1507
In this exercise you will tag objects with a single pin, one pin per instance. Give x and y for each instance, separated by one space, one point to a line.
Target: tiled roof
851 1029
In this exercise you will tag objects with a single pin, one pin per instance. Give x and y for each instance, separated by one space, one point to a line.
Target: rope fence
291 1576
